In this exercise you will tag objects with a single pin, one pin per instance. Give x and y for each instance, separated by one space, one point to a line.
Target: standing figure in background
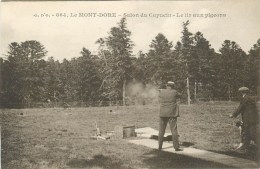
248 110
169 112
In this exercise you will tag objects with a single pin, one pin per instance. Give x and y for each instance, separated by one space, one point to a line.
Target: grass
55 138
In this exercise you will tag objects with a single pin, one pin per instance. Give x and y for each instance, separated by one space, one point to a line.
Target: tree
12 82
161 59
118 66
32 53
1 76
66 76
232 68
186 53
252 67
141 70
52 82
86 76
23 72
203 72
180 70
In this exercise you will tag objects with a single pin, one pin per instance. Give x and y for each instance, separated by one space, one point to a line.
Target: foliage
22 72
252 67
203 71
161 60
232 65
28 77
116 50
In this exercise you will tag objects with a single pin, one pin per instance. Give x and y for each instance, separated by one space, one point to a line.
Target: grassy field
55 138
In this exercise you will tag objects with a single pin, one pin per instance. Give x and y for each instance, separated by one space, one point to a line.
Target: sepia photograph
104 84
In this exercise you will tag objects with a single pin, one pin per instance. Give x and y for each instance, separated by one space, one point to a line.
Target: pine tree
186 54
24 66
86 77
52 82
161 58
118 66
252 66
233 68
203 72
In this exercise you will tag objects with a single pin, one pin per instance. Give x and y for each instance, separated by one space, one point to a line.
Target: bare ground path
199 154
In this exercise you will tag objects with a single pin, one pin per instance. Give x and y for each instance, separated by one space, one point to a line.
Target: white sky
65 37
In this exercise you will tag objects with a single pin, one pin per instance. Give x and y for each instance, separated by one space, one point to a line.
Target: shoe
178 149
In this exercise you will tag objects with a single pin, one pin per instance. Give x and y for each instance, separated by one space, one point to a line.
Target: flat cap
241 89
169 83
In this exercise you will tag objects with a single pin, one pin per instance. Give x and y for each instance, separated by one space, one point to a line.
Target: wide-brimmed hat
243 89
170 83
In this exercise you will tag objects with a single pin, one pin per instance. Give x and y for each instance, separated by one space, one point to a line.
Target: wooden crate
129 131
124 132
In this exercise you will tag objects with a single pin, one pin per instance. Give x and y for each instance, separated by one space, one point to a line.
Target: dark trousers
248 133
173 126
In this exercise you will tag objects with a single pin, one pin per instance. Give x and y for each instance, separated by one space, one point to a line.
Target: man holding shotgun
169 112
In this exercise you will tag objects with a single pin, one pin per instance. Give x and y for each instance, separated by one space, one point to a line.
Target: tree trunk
188 84
188 90
195 91
124 93
54 96
1 68
229 93
258 84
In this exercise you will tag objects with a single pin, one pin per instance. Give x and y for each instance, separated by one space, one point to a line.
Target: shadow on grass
240 154
159 160
186 144
169 138
98 161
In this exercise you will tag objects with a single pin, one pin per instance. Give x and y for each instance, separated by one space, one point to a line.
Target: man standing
248 110
169 112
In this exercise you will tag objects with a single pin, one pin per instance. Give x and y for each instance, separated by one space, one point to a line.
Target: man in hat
169 112
248 110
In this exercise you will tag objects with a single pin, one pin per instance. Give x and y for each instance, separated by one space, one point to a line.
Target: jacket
248 110
168 103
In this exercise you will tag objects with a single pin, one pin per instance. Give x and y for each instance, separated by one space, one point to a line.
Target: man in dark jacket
169 112
248 110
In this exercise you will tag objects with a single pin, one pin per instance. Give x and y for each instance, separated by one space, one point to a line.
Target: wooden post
1 82
124 92
188 90
229 93
188 84
258 84
195 91
258 106
1 77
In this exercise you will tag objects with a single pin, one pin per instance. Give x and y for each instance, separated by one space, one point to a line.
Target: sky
64 37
